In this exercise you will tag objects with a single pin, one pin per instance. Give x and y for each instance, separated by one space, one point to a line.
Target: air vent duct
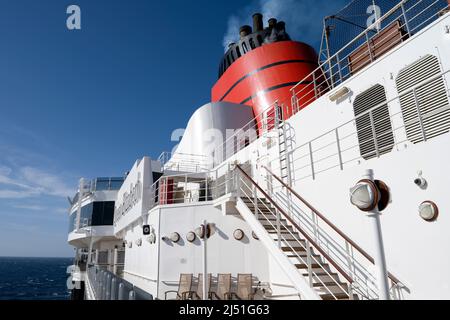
375 134
430 116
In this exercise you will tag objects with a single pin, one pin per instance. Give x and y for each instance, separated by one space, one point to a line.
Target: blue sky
90 102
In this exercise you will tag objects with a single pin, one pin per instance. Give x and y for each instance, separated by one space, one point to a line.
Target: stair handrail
324 254
330 224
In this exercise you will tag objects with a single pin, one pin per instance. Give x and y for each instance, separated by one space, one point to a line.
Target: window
86 215
102 213
72 221
102 184
98 213
116 183
374 128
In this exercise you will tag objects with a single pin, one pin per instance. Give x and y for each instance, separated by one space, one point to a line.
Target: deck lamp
175 237
238 234
372 196
339 94
190 236
205 230
368 195
428 211
364 195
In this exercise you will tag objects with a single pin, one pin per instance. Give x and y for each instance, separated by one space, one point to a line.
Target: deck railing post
311 161
315 85
108 287
368 46
309 263
338 145
338 61
114 289
255 202
278 227
121 291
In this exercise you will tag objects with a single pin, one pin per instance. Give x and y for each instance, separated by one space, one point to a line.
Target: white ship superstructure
266 212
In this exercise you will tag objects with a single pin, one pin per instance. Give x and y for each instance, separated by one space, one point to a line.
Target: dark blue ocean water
34 278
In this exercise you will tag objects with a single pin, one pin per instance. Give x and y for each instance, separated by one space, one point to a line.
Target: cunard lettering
129 199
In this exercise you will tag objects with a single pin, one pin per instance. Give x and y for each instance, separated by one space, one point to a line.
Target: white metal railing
338 68
189 188
108 286
317 265
183 162
341 146
345 252
325 77
262 124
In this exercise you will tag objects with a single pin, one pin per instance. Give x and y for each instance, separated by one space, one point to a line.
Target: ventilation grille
432 100
374 128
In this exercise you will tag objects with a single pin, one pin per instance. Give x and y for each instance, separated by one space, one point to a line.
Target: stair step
296 249
273 229
282 230
286 235
269 222
302 256
323 277
304 266
337 296
294 243
262 209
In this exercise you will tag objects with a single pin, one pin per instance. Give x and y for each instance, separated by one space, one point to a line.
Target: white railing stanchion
311 160
309 263
338 145
278 227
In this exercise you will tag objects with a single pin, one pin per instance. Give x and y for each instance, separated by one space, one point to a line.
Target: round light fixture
175 237
428 211
190 236
365 195
238 234
200 231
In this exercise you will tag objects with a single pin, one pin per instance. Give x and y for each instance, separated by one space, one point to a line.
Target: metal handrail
324 254
333 131
358 37
330 224
306 91
310 259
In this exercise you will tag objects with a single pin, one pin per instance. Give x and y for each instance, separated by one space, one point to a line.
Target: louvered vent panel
377 121
432 100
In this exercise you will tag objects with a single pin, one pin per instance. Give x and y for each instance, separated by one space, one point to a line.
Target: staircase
300 253
320 263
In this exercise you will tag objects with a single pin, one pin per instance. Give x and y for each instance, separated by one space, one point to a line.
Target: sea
34 278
